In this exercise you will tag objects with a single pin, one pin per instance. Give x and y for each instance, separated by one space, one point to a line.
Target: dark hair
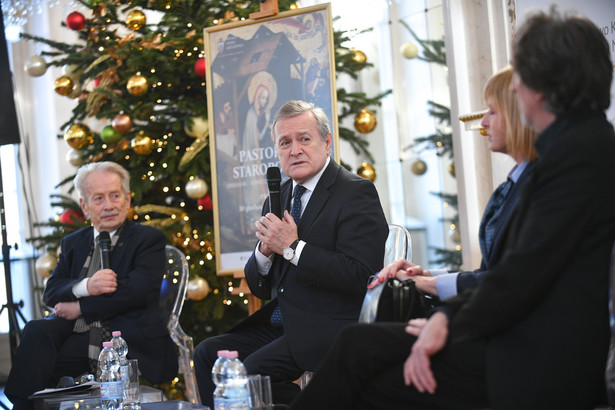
567 58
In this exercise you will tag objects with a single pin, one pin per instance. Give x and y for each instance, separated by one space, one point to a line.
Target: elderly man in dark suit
534 333
89 301
316 269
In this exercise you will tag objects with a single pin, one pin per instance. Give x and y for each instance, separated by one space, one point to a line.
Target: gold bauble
196 188
367 171
45 264
365 121
196 127
78 136
76 91
409 50
142 144
359 57
451 169
63 85
137 85
198 288
74 158
419 167
135 20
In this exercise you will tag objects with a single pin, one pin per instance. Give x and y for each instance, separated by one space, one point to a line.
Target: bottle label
111 390
231 404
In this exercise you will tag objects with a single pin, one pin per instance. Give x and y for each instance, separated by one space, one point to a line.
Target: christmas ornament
196 188
110 135
367 171
137 85
419 167
74 158
78 136
451 169
71 70
135 20
199 67
142 144
76 91
75 21
196 127
97 81
36 66
71 216
409 50
45 264
63 85
455 235
198 288
359 57
205 202
365 121
122 123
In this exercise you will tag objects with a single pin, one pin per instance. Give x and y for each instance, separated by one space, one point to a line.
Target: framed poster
253 68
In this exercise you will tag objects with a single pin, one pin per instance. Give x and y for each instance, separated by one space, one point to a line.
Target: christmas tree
145 82
434 51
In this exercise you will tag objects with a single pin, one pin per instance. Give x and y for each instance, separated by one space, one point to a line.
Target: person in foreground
534 333
506 134
316 270
90 302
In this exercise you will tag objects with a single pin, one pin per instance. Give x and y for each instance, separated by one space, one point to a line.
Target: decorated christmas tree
142 85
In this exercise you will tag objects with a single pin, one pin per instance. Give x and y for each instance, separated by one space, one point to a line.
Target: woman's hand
400 269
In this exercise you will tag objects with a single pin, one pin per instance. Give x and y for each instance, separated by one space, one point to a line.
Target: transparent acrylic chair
398 245
172 295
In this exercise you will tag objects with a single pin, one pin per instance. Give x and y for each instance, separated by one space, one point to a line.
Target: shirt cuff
446 285
263 263
437 272
298 250
80 289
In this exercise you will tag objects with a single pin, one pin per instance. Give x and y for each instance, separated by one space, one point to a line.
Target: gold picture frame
253 67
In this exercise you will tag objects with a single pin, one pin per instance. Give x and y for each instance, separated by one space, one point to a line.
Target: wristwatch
289 253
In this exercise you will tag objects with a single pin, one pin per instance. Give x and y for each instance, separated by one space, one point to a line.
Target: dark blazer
469 279
544 308
139 261
345 230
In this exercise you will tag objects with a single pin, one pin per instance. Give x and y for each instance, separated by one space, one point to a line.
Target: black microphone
273 182
104 242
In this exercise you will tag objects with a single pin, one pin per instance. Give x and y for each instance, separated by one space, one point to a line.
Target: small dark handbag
396 301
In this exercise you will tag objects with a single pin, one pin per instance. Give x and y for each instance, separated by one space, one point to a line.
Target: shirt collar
310 185
517 170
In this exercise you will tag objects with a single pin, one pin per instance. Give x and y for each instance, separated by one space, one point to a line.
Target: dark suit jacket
345 230
139 261
466 280
543 309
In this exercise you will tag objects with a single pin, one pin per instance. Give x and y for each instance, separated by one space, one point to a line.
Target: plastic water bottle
110 380
232 386
121 348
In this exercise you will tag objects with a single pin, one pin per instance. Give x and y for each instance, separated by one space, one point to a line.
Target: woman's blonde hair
519 137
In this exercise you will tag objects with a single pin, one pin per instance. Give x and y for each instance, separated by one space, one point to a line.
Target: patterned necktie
491 216
295 212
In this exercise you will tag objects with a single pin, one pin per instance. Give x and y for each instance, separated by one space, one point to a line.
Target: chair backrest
398 244
174 283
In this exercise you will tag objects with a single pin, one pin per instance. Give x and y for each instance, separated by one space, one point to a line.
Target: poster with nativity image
253 68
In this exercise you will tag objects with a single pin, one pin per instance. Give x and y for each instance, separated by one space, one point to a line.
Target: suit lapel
318 199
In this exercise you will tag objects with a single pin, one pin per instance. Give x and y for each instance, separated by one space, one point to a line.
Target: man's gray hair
105 166
296 107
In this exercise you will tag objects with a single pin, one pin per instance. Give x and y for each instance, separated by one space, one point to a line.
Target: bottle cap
107 344
232 354
116 333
